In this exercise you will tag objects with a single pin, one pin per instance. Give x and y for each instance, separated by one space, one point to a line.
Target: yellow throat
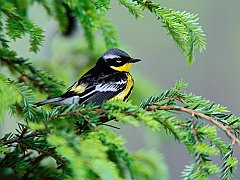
126 67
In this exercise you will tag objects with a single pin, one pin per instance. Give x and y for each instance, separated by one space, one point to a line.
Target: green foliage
28 99
133 7
102 4
30 74
184 29
72 142
151 160
91 19
182 26
6 99
17 26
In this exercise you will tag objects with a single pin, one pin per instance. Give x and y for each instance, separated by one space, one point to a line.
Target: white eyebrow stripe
111 56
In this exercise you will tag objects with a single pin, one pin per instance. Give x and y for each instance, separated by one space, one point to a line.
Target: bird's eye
118 61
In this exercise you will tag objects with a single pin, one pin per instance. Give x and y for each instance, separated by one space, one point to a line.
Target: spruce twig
21 137
201 115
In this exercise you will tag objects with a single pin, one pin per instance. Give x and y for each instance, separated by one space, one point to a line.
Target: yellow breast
124 95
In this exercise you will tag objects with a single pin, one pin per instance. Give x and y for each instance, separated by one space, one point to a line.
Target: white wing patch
111 86
111 56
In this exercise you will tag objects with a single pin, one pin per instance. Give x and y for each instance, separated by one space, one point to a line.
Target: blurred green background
214 75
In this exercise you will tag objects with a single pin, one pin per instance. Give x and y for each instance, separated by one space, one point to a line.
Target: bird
108 80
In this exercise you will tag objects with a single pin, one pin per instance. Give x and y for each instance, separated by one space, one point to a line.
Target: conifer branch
182 26
21 137
20 140
29 73
201 115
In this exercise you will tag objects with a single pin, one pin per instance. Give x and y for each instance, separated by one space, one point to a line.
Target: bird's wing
103 92
98 89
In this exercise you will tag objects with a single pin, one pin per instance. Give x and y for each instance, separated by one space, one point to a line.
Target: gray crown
114 53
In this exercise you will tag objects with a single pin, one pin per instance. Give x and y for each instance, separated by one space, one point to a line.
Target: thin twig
89 122
34 134
38 159
201 115
75 112
194 132
46 152
17 139
103 124
26 78
49 153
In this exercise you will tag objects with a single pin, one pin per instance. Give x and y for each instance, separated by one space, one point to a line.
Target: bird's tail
49 101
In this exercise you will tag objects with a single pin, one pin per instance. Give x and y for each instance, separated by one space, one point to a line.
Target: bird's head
117 59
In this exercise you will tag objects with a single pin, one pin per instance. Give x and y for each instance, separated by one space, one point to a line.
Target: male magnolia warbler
109 79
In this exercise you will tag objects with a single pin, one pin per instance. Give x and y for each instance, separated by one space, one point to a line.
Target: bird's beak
134 60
